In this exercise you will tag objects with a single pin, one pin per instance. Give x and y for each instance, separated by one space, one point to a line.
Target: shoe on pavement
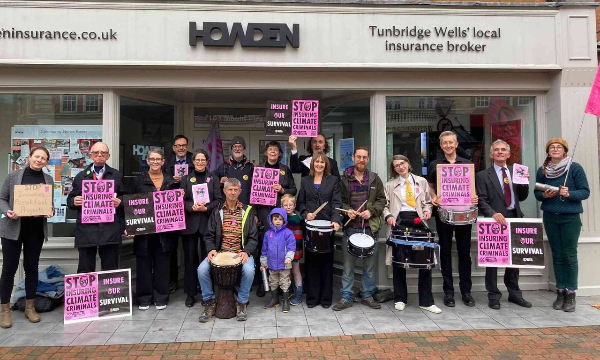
399 306
144 307
161 307
494 304
449 300
370 302
560 299
434 309
242 311
209 311
521 302
190 301
342 305
468 300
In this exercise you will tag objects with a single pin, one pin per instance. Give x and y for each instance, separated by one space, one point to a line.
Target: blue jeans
368 273
245 284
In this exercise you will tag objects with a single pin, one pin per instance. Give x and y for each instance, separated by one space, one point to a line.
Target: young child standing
278 251
296 224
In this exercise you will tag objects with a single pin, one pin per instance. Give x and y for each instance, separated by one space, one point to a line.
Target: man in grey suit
499 198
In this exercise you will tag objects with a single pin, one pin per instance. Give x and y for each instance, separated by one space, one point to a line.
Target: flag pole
574 149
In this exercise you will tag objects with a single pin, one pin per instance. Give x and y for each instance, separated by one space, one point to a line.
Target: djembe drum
226 271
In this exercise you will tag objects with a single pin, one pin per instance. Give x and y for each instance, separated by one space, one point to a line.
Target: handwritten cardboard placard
518 175
156 212
97 206
33 200
200 193
98 295
262 192
181 170
518 243
279 118
305 118
455 183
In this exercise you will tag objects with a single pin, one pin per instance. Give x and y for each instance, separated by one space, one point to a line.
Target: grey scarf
554 171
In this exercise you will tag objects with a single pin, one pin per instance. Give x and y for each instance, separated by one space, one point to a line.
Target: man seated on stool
499 198
231 227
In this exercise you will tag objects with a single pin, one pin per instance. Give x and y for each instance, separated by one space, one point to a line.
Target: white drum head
361 240
319 225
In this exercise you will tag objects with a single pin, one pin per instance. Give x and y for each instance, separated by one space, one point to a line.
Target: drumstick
360 207
344 210
320 208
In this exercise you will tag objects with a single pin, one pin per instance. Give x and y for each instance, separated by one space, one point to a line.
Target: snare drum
361 245
319 236
226 271
418 255
458 215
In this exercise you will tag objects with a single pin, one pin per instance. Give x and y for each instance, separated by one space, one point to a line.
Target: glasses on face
155 160
555 147
103 153
237 147
399 165
200 160
180 146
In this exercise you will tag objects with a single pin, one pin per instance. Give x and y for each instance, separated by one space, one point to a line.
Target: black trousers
463 246
191 260
511 278
401 291
174 262
152 271
31 243
319 278
109 258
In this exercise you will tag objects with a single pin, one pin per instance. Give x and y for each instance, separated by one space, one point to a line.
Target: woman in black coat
152 251
196 219
317 188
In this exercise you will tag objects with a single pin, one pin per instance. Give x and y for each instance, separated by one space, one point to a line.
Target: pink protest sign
200 193
181 169
168 210
97 206
262 192
493 244
518 175
593 104
455 183
81 297
305 118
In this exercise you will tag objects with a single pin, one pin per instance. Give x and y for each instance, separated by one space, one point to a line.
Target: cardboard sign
181 170
518 175
305 118
97 206
99 295
455 183
262 192
519 243
156 212
279 118
200 193
33 200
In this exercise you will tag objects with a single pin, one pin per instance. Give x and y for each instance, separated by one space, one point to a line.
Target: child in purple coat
279 247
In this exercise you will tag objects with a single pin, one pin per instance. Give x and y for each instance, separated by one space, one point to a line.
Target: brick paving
540 343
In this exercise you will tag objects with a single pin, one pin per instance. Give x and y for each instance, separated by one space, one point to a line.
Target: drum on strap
226 270
413 248
361 245
319 236
458 215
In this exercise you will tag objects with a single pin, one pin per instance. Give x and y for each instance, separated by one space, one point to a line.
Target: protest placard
518 175
155 212
169 212
279 118
518 243
97 296
262 192
97 205
139 214
200 193
33 200
305 118
181 170
455 183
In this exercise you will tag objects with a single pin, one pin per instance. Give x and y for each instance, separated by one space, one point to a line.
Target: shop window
40 120
68 103
523 100
414 132
91 103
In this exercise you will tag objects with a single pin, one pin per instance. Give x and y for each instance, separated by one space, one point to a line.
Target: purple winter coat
279 243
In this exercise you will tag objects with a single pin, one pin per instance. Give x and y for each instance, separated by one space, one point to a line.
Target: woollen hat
558 140
238 140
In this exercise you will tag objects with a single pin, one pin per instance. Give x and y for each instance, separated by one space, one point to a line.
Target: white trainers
161 307
144 307
434 309
399 306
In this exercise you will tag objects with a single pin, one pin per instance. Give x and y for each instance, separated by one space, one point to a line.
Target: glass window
413 132
39 120
68 103
92 103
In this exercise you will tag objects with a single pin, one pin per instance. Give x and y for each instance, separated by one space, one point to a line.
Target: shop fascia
273 35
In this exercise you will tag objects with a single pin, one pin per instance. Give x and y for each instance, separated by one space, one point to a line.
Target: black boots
286 302
569 305
560 299
274 299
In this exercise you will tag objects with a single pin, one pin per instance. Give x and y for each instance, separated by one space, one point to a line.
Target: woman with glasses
152 251
562 221
27 233
202 195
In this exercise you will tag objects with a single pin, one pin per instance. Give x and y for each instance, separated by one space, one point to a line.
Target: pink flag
593 104
214 147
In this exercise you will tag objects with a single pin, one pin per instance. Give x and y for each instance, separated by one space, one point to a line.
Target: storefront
390 77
